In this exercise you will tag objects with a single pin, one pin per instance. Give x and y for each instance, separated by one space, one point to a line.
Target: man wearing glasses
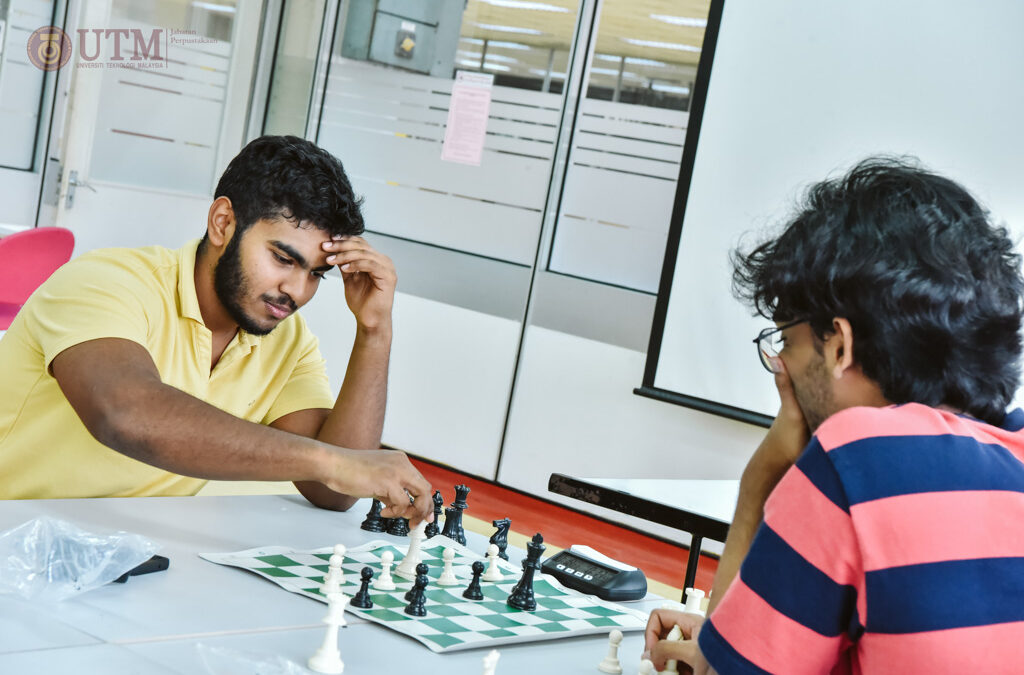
891 541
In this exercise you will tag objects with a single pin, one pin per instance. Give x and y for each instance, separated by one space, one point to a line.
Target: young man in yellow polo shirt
136 372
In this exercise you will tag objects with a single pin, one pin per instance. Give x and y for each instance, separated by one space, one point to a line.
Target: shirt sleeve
307 386
88 299
793 607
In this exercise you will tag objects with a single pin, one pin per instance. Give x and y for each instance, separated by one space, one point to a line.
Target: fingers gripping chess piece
671 665
434 528
384 582
492 573
646 668
447 577
327 659
611 664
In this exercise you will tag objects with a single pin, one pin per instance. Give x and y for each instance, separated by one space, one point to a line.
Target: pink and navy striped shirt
894 545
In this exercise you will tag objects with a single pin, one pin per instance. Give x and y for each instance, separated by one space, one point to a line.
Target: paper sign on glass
467 118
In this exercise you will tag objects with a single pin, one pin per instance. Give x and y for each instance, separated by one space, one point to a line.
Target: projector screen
790 92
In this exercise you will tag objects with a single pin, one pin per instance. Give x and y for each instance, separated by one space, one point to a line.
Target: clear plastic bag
224 661
49 560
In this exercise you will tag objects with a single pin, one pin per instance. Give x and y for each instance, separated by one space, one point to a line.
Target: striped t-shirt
895 545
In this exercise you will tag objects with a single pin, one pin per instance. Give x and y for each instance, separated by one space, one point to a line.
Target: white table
152 623
704 508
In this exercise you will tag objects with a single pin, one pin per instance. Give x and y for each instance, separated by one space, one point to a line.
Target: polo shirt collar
188 299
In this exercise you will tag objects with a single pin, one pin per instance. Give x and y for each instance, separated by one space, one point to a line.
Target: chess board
452 622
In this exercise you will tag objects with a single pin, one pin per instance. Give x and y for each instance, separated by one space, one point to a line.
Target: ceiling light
495 66
522 4
492 44
508 29
661 45
670 89
681 20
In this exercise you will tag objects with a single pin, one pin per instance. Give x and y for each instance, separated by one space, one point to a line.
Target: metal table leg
691 563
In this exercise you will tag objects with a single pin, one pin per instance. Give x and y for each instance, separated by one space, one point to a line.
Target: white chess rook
407 568
611 664
327 659
492 573
694 596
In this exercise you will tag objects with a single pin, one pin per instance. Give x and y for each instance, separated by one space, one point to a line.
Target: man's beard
232 286
814 395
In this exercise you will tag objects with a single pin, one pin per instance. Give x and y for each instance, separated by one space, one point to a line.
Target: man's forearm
357 420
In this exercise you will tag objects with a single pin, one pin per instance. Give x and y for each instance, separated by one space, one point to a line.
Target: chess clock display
585 570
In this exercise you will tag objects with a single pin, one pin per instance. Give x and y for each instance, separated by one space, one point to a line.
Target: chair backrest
28 258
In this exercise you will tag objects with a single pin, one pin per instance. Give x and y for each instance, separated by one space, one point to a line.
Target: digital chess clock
587 571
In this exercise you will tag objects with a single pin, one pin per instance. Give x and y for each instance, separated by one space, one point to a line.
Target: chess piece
646 668
407 568
522 596
694 597
327 659
335 575
421 571
434 528
447 577
500 537
453 525
362 597
399 527
473 591
461 492
373 521
493 573
417 603
491 662
671 665
611 664
384 582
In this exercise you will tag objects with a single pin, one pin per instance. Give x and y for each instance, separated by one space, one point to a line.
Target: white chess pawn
491 662
611 664
339 549
671 665
327 659
694 598
407 568
492 573
646 667
447 577
333 580
384 582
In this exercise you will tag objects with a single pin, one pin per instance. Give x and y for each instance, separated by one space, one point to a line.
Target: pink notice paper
467 118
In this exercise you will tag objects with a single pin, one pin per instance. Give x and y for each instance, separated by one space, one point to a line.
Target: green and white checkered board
452 622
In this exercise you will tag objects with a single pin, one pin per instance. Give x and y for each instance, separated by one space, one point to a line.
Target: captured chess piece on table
610 663
522 596
373 521
327 659
491 662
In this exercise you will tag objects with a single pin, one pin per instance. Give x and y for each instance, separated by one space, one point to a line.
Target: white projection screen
792 91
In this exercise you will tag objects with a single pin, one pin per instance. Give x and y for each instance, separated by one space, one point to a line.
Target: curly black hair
292 178
931 288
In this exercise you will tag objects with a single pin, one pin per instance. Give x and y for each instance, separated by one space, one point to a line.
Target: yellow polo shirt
146 295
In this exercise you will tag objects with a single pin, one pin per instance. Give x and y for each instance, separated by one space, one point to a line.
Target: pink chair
27 259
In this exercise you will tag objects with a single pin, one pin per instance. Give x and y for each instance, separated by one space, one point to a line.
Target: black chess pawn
362 597
522 595
473 591
421 571
418 601
433 529
399 527
500 538
373 522
453 525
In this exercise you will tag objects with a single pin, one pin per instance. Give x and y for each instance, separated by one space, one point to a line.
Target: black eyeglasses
766 350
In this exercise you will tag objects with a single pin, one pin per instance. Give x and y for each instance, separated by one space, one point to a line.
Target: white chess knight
611 664
491 662
492 573
407 568
384 582
327 659
671 665
447 577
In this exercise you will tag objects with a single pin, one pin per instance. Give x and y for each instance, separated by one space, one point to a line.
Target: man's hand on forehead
369 278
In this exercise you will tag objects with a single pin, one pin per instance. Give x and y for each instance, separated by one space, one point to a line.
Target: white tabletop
712 498
152 623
